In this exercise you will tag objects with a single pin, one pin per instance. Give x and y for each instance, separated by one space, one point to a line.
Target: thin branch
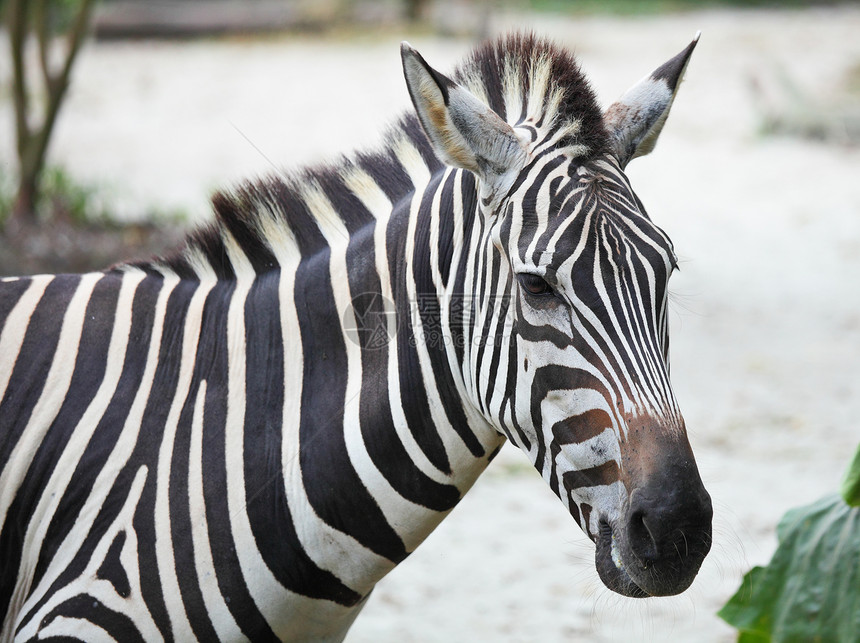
58 84
43 36
17 26
76 37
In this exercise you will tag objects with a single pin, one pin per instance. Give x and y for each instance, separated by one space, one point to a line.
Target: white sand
766 321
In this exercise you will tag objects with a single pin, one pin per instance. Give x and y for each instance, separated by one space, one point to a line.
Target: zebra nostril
641 537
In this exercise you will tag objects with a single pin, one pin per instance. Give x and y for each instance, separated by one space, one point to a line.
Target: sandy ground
766 315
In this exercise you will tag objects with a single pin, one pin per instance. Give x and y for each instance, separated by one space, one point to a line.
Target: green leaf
753 637
851 484
810 590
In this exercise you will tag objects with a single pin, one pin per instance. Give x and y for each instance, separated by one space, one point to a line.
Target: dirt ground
766 312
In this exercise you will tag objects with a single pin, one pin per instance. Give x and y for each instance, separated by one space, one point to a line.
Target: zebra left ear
635 121
464 132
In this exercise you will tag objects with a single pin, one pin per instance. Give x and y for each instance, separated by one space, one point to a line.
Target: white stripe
451 440
68 461
52 396
219 614
78 628
119 455
367 190
649 347
16 326
199 263
377 202
452 443
267 593
356 566
643 397
165 559
542 204
489 437
310 530
512 89
411 161
88 583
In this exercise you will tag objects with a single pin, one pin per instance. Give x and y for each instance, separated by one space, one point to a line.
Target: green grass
7 193
63 196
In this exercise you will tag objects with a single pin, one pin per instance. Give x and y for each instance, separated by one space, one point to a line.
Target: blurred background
756 178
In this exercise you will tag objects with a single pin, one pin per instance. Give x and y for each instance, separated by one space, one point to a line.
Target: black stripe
100 445
413 130
146 452
510 398
377 425
559 191
582 514
445 248
10 294
88 374
584 426
615 287
460 333
112 569
85 607
556 377
211 243
387 172
179 459
34 362
498 339
25 387
526 175
602 474
489 291
267 505
430 311
351 211
325 462
106 517
543 332
230 214
285 200
212 365
413 391
573 430
641 328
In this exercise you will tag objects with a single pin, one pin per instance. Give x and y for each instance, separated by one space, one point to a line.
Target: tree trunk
32 141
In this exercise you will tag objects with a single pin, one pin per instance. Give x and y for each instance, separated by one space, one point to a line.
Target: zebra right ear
635 121
464 132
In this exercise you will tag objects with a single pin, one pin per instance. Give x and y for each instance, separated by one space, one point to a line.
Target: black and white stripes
239 440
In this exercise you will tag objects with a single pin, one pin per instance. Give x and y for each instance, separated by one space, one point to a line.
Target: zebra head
567 353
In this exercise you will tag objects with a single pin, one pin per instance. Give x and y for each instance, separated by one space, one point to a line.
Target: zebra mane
277 220
531 81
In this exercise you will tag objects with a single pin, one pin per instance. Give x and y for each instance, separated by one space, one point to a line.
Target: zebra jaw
610 564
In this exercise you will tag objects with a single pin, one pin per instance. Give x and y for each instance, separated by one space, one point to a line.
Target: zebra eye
534 284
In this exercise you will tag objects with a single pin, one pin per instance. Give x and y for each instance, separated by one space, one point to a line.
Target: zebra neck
373 407
439 234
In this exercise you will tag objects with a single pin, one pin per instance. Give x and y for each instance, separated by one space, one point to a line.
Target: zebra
238 440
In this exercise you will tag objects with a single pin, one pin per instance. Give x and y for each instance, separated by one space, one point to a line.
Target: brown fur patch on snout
650 446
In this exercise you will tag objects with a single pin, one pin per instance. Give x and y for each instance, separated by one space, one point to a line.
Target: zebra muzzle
658 546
